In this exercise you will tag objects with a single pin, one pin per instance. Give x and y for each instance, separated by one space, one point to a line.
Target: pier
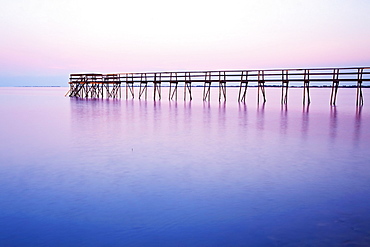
94 85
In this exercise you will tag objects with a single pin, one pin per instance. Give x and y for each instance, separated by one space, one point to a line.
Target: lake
129 172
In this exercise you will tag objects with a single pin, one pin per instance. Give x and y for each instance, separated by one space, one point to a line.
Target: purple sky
55 38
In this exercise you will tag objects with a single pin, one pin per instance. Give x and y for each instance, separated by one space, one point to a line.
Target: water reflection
174 123
333 123
222 117
283 119
243 118
129 108
357 127
187 115
260 116
95 108
143 113
207 114
305 121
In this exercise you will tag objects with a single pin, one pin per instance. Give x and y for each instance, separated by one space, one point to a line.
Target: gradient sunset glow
55 38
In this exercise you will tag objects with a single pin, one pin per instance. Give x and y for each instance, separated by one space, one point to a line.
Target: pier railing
95 85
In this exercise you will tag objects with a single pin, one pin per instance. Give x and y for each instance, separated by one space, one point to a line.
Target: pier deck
94 85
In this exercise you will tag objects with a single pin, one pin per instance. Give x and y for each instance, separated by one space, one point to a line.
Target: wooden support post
116 83
129 79
99 90
107 87
78 90
284 86
221 85
243 86
111 86
334 87
187 85
98 80
119 90
76 85
173 80
157 84
143 85
261 86
89 90
107 90
93 90
207 86
96 90
306 86
359 97
113 82
86 88
90 85
69 91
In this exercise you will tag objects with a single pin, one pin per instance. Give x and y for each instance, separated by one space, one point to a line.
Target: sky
47 39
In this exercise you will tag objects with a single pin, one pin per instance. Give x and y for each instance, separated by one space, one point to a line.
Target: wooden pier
93 85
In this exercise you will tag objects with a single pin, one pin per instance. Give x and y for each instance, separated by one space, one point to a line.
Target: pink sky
40 37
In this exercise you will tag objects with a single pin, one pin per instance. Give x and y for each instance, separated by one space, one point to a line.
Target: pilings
187 85
214 76
129 85
284 86
157 85
243 86
261 86
207 85
359 97
112 84
334 87
173 82
94 85
222 85
143 85
306 87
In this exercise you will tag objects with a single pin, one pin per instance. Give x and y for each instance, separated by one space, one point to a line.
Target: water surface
98 172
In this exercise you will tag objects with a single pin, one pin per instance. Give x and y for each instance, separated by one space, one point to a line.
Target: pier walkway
94 85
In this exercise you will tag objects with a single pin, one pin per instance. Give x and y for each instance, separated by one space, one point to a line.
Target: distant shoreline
32 86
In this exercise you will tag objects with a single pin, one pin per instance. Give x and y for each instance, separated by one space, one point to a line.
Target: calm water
77 172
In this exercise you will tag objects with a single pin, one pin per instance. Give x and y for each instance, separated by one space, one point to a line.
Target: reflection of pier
93 85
